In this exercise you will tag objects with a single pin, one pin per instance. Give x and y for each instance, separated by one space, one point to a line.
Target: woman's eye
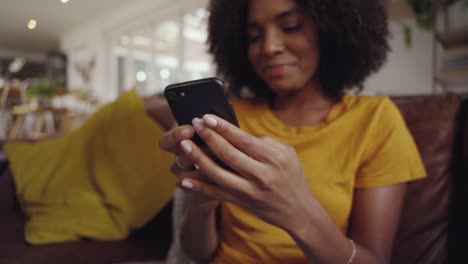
292 28
253 38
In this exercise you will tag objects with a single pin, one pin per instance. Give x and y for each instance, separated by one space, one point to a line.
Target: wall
408 70
28 55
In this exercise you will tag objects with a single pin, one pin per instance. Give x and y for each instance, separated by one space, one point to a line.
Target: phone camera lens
172 94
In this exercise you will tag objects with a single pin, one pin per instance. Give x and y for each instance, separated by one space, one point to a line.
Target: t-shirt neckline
271 120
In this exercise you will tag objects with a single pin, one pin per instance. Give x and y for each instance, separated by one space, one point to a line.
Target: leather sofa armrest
8 201
158 109
458 233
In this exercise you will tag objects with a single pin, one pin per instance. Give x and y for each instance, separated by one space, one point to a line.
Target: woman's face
283 47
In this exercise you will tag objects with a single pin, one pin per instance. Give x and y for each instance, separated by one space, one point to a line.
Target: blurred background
61 59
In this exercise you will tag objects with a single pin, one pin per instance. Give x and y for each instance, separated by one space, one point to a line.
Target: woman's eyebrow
282 15
287 13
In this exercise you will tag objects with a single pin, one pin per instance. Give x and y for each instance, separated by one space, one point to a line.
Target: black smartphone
196 98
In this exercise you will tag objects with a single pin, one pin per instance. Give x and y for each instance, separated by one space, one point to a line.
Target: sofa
432 227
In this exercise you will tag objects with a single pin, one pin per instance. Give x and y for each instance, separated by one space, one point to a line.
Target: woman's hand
183 167
267 177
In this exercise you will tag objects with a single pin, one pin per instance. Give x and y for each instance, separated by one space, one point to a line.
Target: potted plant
43 90
426 13
426 10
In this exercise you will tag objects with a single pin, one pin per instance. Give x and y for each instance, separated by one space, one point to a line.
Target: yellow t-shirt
363 142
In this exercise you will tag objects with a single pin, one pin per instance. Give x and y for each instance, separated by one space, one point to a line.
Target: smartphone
188 100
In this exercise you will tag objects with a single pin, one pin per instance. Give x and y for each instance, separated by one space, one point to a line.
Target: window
161 52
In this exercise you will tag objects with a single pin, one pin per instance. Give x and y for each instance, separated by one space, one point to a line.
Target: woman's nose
273 42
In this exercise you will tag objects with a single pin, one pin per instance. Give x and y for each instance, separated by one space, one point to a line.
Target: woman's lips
278 70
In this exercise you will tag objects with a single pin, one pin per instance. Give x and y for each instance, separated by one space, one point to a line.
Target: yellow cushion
100 182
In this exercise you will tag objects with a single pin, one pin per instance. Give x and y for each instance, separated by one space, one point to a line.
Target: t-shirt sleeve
391 155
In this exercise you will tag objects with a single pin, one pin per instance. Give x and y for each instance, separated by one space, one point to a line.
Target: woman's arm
374 221
199 236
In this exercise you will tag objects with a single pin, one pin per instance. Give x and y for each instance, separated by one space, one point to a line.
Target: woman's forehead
266 9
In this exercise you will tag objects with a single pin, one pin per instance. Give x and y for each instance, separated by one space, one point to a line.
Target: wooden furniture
41 120
452 70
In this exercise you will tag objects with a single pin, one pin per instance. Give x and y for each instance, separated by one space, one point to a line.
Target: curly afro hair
352 38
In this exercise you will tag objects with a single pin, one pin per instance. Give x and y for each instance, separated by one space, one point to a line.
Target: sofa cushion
100 181
149 243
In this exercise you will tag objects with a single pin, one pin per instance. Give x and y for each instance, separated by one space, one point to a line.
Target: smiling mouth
277 70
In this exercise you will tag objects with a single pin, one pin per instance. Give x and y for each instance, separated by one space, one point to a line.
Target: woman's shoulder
367 101
368 104
375 110
365 107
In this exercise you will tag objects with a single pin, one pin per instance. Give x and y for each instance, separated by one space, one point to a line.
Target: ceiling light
141 76
32 24
64 1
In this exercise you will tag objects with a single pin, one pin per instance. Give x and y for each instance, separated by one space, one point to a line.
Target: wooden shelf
457 53
453 38
454 77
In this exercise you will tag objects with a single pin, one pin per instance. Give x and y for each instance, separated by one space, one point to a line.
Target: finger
250 145
176 168
182 174
209 190
273 142
171 139
183 161
211 171
226 152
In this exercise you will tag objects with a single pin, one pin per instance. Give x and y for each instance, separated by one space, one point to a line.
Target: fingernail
186 146
197 124
187 184
210 120
196 166
187 132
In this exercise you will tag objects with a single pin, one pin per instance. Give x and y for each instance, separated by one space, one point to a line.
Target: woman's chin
283 87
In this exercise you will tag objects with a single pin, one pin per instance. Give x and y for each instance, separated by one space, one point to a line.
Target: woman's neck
308 106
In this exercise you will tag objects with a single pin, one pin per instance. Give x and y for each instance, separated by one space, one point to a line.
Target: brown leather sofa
433 227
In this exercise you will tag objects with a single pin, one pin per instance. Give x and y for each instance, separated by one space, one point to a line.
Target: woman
318 176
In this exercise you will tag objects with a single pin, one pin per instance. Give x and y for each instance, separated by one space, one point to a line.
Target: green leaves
426 10
44 87
408 36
